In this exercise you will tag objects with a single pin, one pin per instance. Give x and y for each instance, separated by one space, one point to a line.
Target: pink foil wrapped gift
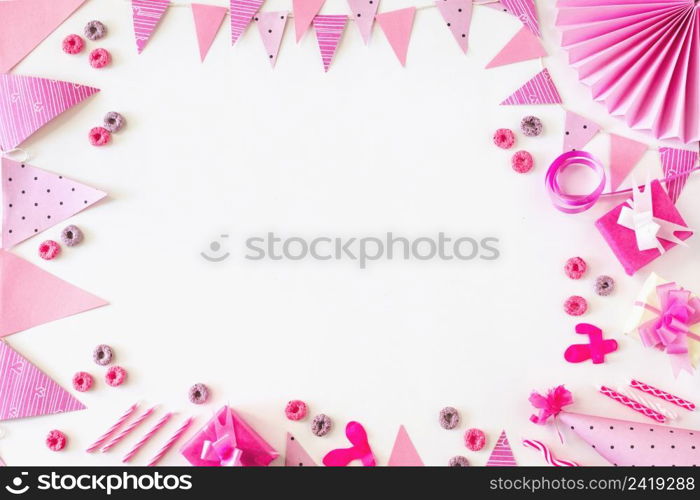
624 241
228 440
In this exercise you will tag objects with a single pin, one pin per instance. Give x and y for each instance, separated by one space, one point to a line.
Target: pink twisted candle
634 405
551 459
147 437
169 444
111 430
641 386
133 425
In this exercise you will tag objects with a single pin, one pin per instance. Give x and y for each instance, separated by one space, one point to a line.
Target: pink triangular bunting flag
242 13
363 12
458 16
27 103
624 155
25 24
522 47
578 131
677 162
35 200
304 13
502 455
207 21
271 27
526 11
538 90
397 26
29 296
404 454
147 14
26 391
295 455
329 30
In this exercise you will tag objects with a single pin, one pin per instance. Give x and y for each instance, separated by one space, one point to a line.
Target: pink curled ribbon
224 450
360 449
574 203
548 456
670 329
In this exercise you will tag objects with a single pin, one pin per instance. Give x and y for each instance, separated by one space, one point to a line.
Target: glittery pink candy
458 461
49 250
296 410
474 439
115 376
72 44
82 381
575 305
504 138
198 394
99 58
575 267
56 440
99 136
522 162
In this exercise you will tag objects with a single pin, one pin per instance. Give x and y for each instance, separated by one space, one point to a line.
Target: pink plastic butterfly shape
595 350
360 449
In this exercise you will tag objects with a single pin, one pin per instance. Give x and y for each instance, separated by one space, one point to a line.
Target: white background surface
231 146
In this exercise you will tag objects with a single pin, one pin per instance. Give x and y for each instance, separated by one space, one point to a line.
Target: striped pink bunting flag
502 455
271 27
458 17
329 30
363 12
147 14
242 13
526 11
538 90
675 162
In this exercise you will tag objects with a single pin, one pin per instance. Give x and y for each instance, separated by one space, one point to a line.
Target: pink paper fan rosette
641 59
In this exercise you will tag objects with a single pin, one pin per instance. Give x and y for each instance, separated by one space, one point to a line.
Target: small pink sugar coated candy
73 44
522 162
99 58
49 250
82 381
115 376
474 439
99 136
56 440
575 267
575 305
504 138
296 410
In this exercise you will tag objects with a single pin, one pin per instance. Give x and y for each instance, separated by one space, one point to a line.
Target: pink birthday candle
169 444
146 438
133 425
111 430
641 386
634 405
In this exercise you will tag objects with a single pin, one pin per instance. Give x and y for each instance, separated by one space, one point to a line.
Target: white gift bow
638 215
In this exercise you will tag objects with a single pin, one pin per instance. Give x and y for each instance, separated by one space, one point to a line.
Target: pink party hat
502 454
404 454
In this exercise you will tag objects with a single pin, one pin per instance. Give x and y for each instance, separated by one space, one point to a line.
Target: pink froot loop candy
504 138
360 449
575 305
522 162
475 439
49 250
56 440
72 44
99 58
99 136
575 268
116 375
296 410
82 381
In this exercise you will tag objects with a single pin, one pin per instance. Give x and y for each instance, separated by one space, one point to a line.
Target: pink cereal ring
522 162
82 381
296 410
56 440
474 439
575 305
504 138
99 58
72 44
115 376
575 267
49 250
99 136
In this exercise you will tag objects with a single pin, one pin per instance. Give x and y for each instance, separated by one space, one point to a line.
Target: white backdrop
231 146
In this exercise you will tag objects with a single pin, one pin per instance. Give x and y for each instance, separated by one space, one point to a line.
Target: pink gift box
228 440
623 241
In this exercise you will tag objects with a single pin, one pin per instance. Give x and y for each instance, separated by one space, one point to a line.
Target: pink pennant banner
35 200
26 391
522 47
458 17
363 12
304 13
677 162
28 103
539 90
502 454
526 11
295 455
207 21
271 26
404 454
578 131
624 155
397 26
242 13
25 24
147 15
329 30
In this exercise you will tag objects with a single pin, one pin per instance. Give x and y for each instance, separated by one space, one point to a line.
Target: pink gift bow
360 450
670 329
224 449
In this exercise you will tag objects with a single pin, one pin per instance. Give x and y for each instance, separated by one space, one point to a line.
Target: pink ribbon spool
574 203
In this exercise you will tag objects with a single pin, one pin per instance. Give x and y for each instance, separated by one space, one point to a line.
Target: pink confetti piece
634 405
549 458
159 425
169 444
683 403
133 425
112 429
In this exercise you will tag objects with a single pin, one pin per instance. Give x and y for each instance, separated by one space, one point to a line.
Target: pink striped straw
145 438
133 425
169 444
111 430
641 386
634 405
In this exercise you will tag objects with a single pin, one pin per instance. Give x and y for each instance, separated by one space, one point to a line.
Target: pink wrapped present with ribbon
667 317
228 440
644 227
